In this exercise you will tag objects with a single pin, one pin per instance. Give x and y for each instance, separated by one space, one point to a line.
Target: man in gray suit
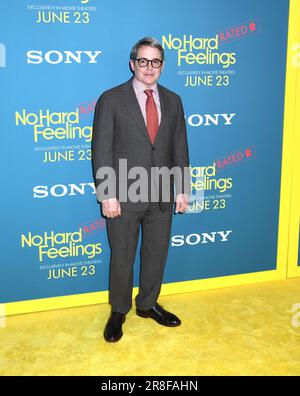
142 124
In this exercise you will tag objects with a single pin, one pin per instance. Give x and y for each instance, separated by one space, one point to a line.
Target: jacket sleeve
102 145
181 154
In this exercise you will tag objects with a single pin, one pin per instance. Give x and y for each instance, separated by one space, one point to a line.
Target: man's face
147 75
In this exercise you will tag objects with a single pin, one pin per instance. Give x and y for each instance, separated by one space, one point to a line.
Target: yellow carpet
245 330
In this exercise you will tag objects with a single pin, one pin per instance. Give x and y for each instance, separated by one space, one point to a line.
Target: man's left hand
181 203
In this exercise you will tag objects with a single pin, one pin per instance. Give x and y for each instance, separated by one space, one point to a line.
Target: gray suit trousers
123 232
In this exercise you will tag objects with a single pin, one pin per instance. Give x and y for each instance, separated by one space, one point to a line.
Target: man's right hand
111 207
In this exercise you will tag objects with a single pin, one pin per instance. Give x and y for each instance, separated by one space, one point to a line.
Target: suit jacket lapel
131 102
163 109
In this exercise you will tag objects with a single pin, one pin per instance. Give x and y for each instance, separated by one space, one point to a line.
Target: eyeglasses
155 63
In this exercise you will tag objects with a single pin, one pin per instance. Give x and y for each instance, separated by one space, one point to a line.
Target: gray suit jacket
119 131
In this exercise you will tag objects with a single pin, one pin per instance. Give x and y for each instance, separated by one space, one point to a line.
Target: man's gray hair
149 42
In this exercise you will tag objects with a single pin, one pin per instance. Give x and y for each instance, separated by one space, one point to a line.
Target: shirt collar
140 87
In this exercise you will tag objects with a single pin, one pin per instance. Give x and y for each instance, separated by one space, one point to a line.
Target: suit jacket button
153 148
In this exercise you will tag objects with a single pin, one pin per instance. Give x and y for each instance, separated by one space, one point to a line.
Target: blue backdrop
57 57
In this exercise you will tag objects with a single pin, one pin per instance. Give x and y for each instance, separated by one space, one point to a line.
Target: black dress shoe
161 316
113 329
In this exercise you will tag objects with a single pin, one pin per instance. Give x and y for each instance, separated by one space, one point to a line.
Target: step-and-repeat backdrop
226 61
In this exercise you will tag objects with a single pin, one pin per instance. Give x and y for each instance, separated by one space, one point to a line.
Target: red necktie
151 115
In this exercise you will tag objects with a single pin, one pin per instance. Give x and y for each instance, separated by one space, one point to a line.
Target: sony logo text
55 57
